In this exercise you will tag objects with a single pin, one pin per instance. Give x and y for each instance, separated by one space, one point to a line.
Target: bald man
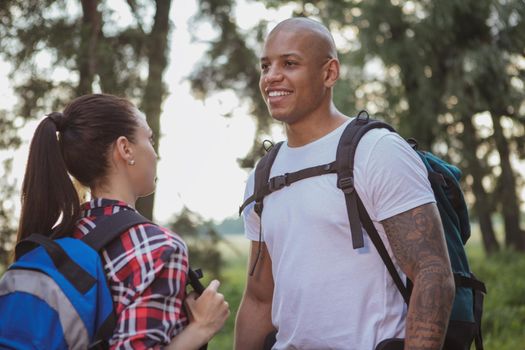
309 284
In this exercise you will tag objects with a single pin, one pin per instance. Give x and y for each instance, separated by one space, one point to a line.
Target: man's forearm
417 240
252 325
429 310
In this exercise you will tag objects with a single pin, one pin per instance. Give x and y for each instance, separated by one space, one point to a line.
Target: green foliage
65 48
202 240
504 307
231 63
438 70
230 226
232 286
7 214
50 44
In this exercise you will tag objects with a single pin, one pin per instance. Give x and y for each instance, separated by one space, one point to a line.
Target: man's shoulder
380 142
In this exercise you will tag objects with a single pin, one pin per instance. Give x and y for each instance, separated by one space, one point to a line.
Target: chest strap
278 182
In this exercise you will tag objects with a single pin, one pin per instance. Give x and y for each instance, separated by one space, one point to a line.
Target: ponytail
48 193
76 143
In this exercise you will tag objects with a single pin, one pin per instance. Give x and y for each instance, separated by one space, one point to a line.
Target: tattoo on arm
417 241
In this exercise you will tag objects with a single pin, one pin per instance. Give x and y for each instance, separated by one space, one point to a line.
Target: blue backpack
55 296
465 320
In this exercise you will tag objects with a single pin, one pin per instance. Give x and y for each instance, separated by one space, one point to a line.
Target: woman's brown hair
77 143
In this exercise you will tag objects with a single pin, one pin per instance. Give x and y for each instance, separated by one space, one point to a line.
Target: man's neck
308 130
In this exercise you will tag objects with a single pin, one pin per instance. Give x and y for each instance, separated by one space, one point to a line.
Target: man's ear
331 72
123 149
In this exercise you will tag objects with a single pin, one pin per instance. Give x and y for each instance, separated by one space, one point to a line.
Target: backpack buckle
258 207
346 184
278 182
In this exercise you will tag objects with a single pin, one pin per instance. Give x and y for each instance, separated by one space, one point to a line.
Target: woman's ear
124 150
331 72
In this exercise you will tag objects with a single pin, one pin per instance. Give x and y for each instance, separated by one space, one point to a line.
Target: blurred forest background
450 73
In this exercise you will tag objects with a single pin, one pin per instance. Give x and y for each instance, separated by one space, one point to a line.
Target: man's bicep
417 239
259 285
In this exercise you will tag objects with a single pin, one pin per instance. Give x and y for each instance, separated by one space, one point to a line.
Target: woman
104 142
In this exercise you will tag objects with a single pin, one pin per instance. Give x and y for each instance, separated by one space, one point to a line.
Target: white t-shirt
328 295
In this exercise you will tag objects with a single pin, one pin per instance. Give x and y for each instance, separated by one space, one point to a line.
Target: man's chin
280 117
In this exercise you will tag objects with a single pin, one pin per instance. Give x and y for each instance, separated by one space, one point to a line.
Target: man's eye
290 63
264 66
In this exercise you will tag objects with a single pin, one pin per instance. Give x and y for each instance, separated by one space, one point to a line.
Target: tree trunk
481 204
514 236
89 35
154 94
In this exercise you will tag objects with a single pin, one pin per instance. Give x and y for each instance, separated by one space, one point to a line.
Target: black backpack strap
277 182
469 282
107 230
478 313
111 227
193 280
381 249
357 214
345 165
262 176
194 277
73 272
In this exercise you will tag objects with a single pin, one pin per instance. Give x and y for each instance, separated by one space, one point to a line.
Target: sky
198 147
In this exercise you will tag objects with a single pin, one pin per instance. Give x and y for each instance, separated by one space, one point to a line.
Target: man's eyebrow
286 55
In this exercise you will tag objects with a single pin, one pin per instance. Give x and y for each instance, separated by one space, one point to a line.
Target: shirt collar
103 204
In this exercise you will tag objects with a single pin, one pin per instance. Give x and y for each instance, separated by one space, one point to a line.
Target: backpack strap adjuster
346 184
258 207
278 182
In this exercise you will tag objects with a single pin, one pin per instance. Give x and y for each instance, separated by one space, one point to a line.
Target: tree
231 64
62 49
433 69
155 91
202 240
9 140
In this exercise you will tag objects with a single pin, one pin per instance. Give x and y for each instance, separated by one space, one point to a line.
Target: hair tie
58 119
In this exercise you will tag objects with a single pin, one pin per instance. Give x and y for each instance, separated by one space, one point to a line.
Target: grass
503 322
232 286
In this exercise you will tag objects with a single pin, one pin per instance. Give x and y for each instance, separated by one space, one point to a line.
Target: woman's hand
209 311
207 314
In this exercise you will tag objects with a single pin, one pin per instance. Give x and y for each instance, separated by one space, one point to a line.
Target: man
309 283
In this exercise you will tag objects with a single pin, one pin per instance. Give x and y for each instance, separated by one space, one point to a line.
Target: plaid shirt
146 269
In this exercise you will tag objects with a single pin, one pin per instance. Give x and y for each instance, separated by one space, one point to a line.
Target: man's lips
275 96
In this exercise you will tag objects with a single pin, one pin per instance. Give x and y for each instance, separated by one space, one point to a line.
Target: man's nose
273 74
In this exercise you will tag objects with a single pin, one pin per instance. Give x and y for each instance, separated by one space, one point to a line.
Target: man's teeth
278 93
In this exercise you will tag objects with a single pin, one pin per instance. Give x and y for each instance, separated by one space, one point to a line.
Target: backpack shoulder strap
262 175
106 231
357 214
69 268
381 249
344 163
111 227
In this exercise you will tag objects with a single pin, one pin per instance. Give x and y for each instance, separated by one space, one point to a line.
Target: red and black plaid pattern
146 269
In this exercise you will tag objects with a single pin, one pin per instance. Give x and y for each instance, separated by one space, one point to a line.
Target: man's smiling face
292 72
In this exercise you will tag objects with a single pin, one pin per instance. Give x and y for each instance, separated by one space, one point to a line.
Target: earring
131 162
